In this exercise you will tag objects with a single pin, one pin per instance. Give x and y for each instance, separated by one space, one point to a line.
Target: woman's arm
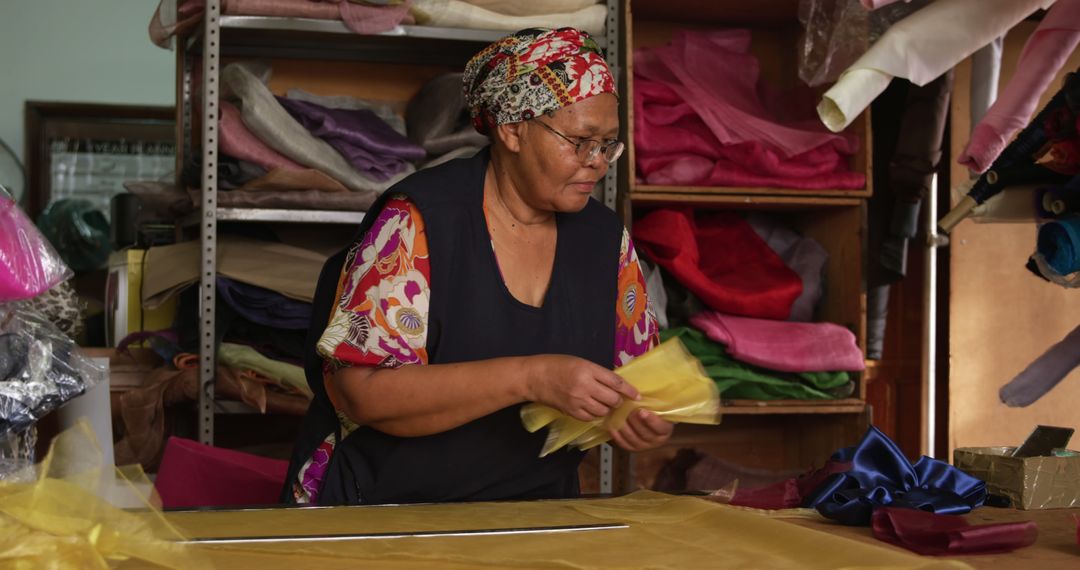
421 400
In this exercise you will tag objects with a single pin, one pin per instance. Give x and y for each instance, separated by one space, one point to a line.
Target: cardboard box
1028 482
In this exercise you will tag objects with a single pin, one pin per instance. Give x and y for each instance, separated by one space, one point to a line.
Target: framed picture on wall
88 150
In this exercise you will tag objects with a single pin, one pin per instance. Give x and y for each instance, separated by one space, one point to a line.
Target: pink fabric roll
1045 52
238 142
783 345
366 19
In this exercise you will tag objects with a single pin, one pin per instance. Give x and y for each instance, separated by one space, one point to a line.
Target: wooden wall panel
1002 317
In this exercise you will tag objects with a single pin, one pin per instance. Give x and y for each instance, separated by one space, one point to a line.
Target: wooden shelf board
732 198
757 407
712 190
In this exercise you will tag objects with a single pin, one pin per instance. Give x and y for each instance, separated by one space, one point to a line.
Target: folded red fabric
930 533
720 258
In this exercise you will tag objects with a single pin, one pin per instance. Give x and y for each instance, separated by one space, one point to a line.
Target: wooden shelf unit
783 435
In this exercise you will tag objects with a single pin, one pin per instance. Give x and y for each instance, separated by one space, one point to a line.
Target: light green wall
87 51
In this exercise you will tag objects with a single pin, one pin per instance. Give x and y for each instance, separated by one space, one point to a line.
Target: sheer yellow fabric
665 532
672 384
61 518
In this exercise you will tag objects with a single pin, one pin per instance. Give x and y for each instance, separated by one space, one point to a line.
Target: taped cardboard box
1048 482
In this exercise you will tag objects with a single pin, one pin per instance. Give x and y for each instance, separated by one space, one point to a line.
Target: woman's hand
643 431
575 386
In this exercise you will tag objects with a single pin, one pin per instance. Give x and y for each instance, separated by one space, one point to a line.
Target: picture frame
88 150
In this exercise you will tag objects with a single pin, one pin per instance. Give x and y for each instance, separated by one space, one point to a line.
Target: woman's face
551 176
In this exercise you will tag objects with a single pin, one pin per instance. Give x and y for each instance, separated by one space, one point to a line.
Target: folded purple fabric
366 141
783 345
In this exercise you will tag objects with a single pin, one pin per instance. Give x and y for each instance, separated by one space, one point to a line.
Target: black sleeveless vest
472 316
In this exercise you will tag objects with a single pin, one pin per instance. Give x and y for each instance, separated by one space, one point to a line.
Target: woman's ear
511 135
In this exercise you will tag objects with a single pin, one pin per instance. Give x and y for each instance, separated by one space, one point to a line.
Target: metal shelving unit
256 36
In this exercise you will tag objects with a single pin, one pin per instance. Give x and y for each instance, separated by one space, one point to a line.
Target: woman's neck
504 193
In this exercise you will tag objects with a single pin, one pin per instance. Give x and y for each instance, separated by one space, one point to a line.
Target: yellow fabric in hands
672 384
665 532
60 520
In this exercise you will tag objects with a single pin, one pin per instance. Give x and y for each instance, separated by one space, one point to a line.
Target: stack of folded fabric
738 293
699 121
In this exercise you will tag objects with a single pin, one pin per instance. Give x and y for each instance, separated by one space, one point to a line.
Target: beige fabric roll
533 7
458 14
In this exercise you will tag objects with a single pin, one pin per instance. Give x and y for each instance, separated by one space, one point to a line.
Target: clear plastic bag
29 265
838 32
39 368
672 384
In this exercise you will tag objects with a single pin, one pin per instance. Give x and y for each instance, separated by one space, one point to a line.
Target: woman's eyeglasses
588 149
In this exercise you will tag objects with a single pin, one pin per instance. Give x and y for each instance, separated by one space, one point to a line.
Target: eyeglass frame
600 145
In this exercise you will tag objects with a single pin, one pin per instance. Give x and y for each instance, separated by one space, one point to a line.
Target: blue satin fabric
880 475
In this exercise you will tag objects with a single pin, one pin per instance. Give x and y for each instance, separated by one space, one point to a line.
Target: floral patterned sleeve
636 329
381 314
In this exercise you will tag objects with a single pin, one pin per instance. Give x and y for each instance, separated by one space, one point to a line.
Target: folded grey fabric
385 111
438 120
265 117
288 200
802 255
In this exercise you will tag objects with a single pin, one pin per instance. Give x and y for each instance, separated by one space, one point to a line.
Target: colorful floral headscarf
532 72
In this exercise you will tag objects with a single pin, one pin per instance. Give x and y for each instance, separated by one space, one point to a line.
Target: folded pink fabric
783 346
197 475
1046 51
238 142
699 120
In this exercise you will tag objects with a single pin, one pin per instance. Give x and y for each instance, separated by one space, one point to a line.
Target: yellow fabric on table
671 382
664 532
60 520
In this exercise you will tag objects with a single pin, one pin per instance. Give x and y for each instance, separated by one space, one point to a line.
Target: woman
477 286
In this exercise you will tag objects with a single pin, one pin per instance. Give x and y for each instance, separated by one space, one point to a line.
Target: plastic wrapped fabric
29 265
79 231
61 307
71 515
39 368
671 382
836 35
